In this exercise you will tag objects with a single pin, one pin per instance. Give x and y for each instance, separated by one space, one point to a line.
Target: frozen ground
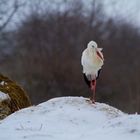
70 118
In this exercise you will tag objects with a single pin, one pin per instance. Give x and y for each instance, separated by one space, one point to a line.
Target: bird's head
92 44
97 51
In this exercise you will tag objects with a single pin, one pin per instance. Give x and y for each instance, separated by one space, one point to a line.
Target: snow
2 83
3 96
70 118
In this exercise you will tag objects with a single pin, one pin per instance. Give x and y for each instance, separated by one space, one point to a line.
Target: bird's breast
91 63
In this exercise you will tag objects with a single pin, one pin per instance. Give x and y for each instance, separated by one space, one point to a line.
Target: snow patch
3 96
70 118
2 83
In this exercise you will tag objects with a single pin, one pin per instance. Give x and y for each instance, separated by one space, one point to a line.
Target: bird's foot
92 100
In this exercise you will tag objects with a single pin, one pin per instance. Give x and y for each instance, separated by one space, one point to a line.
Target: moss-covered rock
18 98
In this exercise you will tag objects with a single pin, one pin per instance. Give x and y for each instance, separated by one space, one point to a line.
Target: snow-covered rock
70 118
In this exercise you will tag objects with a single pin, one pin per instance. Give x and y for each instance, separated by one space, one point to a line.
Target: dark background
42 53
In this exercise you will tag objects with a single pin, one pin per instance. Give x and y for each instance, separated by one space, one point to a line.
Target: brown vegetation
18 98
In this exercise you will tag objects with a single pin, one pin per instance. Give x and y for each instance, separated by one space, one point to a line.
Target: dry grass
18 97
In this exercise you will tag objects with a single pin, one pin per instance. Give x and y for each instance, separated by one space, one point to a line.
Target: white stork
92 61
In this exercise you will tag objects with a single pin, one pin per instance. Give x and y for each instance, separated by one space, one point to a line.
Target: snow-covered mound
70 118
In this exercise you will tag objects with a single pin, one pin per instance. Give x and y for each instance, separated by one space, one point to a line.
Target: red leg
93 88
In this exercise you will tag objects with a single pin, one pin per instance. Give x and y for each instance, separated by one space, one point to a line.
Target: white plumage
92 60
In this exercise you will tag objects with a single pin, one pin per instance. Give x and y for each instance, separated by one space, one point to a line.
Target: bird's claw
92 100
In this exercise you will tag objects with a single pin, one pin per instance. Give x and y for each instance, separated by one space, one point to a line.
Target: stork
92 61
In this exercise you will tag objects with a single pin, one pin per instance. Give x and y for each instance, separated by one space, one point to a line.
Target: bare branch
16 6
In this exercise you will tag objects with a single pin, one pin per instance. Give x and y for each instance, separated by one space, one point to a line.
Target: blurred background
41 42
